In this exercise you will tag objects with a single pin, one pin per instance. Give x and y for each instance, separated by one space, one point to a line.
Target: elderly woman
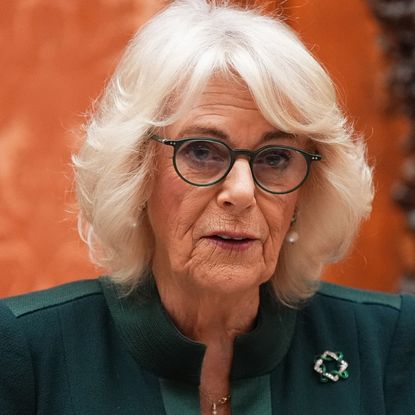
217 178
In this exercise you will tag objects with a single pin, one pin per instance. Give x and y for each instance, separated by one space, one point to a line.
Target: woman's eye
275 159
199 151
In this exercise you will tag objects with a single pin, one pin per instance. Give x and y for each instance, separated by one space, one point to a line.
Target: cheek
173 209
163 203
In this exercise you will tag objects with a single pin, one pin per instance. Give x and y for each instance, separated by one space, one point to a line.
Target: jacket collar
159 347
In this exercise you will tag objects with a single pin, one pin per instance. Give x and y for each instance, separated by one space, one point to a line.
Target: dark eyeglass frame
234 153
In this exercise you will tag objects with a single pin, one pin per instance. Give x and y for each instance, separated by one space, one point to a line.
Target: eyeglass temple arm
162 140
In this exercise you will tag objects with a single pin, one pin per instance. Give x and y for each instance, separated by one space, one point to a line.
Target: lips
232 236
233 241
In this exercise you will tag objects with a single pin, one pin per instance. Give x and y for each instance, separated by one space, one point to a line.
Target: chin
228 279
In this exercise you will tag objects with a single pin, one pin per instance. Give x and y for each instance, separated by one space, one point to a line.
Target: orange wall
56 56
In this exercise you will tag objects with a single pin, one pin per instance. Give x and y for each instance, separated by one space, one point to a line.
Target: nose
238 188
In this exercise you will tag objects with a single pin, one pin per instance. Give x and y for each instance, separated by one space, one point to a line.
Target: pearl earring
292 235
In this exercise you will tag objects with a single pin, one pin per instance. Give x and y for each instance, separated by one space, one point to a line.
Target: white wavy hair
165 67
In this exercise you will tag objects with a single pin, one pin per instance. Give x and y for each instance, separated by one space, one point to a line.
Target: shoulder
366 313
329 292
373 314
37 318
37 321
24 327
378 328
52 298
366 306
376 324
45 317
35 329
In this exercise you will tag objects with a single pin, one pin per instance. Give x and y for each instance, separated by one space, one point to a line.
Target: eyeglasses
206 161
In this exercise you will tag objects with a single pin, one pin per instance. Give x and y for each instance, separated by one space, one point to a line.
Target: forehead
225 104
226 92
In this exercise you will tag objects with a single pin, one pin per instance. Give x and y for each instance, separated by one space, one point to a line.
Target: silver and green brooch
327 360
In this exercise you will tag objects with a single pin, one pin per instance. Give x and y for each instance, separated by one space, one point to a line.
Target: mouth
233 242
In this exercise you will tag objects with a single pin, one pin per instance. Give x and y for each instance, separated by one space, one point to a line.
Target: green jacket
82 349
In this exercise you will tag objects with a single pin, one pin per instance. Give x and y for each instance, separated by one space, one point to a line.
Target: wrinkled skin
182 215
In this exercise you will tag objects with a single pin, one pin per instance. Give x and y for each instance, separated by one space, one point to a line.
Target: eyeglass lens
276 169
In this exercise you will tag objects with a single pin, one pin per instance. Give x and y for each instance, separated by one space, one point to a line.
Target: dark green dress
81 349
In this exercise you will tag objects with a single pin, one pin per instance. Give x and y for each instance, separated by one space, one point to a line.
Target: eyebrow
210 131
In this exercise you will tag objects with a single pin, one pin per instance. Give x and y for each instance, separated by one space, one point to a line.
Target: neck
210 317
214 319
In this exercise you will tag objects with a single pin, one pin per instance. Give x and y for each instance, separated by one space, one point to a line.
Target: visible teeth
228 237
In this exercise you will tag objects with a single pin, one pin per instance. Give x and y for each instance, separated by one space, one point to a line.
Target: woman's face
226 237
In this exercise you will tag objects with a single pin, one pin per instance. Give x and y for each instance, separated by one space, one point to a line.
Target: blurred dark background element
397 21
56 57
